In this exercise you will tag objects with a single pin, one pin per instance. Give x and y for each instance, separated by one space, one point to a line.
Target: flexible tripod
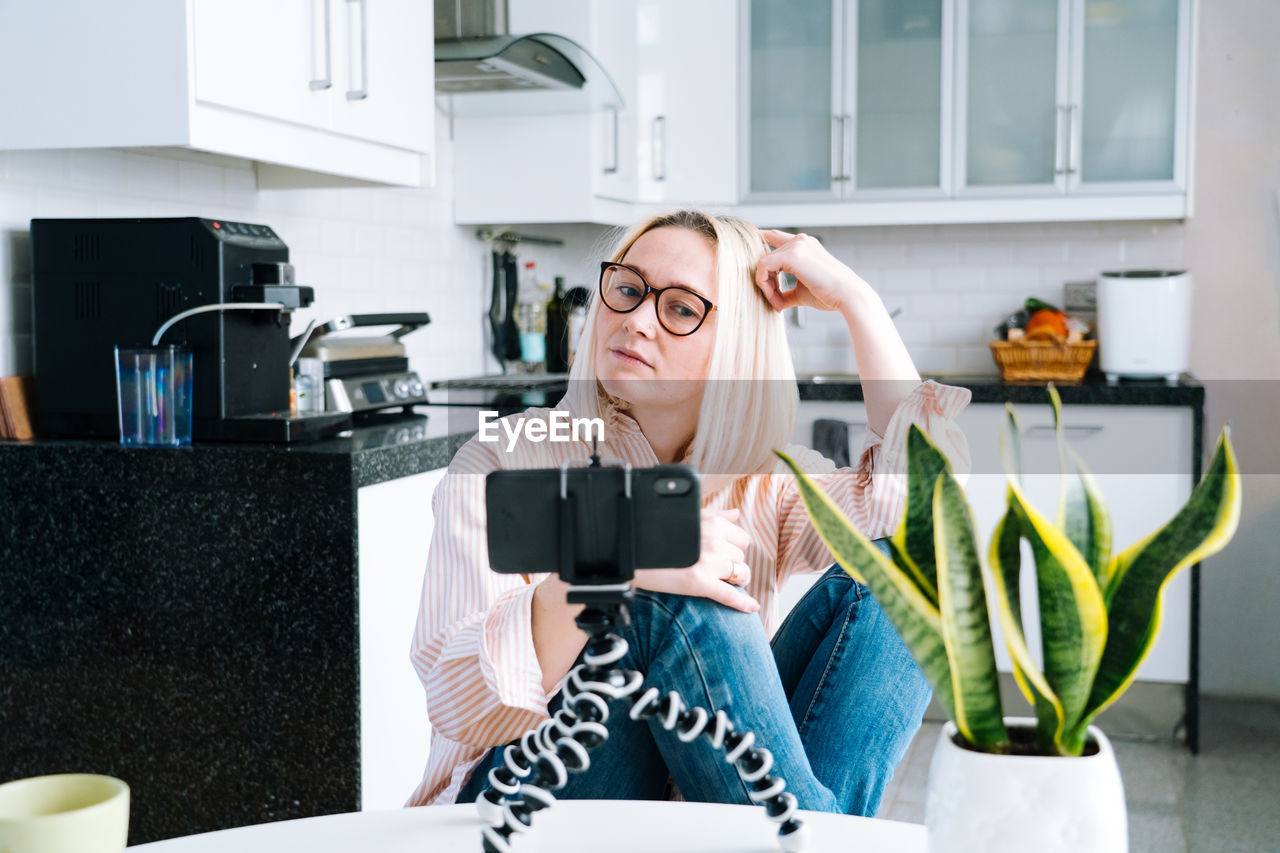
543 757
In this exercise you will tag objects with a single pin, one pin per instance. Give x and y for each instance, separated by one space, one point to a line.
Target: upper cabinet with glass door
899 127
934 111
1078 97
826 122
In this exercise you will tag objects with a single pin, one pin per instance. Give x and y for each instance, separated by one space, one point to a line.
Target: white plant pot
989 803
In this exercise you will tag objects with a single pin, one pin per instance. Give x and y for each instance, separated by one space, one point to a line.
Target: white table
570 826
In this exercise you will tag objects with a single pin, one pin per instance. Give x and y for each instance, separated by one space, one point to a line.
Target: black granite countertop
379 449
989 388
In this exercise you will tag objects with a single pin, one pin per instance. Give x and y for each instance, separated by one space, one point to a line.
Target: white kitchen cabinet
395 525
338 87
672 142
936 111
1140 456
686 102
869 79
1073 97
536 157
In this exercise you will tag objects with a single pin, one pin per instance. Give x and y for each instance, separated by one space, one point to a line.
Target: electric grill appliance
367 373
99 283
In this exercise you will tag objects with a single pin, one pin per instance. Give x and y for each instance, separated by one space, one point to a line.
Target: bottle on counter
557 337
531 321
575 310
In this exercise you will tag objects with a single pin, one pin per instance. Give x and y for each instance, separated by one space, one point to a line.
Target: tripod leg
543 758
753 765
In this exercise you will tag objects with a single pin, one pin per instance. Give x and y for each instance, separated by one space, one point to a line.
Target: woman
685 358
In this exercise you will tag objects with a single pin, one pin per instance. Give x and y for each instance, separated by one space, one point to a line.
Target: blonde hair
749 402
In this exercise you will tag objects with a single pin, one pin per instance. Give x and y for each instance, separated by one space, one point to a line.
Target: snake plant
1099 611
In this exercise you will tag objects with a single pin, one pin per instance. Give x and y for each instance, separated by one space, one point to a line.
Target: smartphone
532 529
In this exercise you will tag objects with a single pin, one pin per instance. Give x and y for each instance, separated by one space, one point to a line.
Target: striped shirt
473 644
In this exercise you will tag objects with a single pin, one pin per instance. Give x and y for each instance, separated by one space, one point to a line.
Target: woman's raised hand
821 280
719 572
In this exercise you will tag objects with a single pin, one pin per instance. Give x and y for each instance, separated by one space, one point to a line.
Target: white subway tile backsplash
986 309
370 241
903 281
873 255
241 187
970 233
357 205
37 168
933 306
1036 252
933 359
50 202
303 236
918 234
201 184
1053 278
1159 253
985 254
964 280
150 176
1013 277
975 359
95 169
1098 253
810 358
400 243
932 254
914 332
956 333
1074 230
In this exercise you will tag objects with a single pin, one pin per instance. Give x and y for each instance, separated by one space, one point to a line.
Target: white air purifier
1144 324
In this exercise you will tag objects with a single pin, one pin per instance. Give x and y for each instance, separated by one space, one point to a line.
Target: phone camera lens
672 486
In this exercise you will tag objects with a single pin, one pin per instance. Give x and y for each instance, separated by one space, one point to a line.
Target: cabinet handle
1060 155
1047 431
363 92
837 148
327 80
846 138
1071 138
659 139
612 168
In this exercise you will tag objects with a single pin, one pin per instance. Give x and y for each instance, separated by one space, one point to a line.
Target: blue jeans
836 699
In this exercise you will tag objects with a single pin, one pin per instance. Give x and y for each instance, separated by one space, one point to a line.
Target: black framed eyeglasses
680 310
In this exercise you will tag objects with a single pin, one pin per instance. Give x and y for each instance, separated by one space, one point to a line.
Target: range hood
481 69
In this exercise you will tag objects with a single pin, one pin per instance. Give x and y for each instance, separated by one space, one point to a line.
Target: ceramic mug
66 813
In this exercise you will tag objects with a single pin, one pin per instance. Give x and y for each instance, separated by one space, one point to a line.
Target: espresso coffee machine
99 283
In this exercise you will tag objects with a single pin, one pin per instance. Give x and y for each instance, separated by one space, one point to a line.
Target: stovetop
507 382
507 394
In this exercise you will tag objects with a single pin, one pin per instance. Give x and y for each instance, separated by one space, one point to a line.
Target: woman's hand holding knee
720 570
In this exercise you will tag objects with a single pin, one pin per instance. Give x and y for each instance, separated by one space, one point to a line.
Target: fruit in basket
1046 324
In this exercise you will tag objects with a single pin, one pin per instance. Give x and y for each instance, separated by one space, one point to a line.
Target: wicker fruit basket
1042 361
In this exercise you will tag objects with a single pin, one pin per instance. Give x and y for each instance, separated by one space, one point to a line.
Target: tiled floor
1225 799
